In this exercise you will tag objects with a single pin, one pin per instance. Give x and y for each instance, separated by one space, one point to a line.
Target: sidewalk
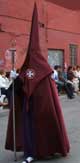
4 112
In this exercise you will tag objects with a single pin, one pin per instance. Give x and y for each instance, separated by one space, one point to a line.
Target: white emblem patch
30 73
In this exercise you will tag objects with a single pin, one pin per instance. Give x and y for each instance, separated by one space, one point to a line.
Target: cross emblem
30 73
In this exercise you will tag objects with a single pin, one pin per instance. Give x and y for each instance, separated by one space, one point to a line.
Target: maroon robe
48 133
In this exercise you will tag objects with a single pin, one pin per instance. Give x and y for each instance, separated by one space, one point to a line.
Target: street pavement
71 112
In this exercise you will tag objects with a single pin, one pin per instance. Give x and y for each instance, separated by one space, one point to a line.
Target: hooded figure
40 128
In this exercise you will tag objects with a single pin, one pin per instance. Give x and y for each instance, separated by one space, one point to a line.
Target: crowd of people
67 79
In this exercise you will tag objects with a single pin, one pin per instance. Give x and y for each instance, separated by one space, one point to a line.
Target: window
73 54
55 57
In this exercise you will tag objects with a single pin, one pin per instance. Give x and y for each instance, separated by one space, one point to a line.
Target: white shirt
77 74
55 75
2 82
5 82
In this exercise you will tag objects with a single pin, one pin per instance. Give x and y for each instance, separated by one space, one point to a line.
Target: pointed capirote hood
35 67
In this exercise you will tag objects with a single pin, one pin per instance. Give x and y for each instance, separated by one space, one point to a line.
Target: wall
63 28
15 20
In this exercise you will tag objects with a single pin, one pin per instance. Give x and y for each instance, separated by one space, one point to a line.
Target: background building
59 29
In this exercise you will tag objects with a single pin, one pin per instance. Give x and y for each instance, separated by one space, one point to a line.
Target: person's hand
13 74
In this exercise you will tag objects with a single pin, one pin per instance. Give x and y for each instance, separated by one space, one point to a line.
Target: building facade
59 31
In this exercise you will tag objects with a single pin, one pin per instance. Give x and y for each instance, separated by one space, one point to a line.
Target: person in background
68 87
55 76
72 78
3 88
77 75
2 81
60 77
